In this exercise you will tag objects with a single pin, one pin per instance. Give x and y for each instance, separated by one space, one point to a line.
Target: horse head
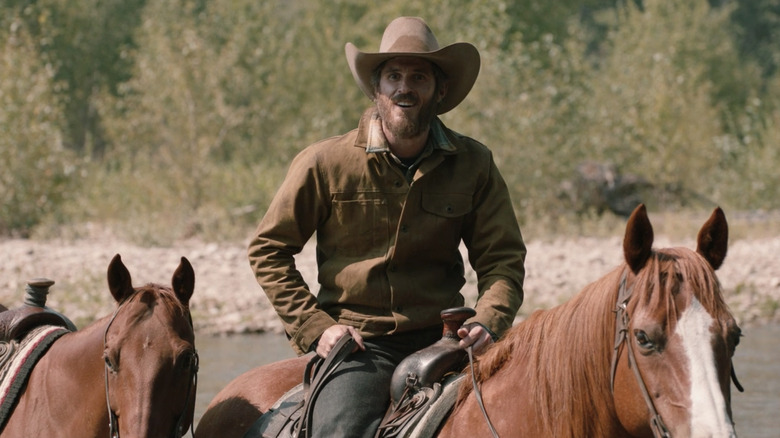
150 356
675 336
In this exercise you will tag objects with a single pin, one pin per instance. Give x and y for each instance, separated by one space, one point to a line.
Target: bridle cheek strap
192 385
621 335
113 421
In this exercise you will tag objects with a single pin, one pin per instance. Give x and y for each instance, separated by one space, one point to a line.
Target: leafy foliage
183 115
37 171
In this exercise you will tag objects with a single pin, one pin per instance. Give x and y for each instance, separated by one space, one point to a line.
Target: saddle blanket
17 359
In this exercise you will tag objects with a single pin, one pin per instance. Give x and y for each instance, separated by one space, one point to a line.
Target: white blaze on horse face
709 417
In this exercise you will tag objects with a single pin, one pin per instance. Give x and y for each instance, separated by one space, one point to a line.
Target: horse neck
81 351
571 346
71 375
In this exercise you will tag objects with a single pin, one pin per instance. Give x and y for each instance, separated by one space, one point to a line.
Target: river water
757 362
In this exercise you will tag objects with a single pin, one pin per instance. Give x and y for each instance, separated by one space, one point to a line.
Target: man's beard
405 126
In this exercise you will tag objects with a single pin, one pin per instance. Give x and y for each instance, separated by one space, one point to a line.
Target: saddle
423 389
16 323
26 333
291 415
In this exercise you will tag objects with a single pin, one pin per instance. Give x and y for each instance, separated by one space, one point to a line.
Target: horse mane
566 351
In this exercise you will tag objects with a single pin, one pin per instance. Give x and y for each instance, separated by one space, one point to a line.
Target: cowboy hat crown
411 36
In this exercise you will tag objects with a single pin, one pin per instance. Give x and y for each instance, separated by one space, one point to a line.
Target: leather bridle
622 320
113 420
621 335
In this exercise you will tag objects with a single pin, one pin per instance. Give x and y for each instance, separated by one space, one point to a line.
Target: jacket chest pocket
446 205
360 226
445 213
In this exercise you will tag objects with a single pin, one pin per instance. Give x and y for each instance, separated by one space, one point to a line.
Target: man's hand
474 335
331 336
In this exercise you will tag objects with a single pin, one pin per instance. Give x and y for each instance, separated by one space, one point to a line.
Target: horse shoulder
237 406
40 410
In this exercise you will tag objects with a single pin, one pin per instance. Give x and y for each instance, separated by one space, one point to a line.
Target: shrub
37 171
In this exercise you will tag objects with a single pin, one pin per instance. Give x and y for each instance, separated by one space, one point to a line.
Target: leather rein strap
621 335
478 393
113 421
318 370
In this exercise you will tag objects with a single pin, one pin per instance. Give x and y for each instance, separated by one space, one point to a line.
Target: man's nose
404 85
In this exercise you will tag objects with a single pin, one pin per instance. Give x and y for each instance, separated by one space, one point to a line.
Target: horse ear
638 241
184 281
713 239
119 282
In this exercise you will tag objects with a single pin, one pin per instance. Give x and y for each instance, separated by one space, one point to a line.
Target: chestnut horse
644 351
129 374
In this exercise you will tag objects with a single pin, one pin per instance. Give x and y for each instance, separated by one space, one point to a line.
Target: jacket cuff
310 331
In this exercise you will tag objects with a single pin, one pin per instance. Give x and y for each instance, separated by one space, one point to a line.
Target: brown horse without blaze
129 374
643 351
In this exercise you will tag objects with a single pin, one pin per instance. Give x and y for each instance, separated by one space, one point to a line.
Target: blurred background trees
168 120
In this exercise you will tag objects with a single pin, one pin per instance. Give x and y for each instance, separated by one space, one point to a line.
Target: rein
113 421
478 393
621 335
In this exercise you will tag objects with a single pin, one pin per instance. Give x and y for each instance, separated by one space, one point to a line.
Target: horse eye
109 363
188 361
643 340
734 338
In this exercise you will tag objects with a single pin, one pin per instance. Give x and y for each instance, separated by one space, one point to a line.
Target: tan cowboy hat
410 36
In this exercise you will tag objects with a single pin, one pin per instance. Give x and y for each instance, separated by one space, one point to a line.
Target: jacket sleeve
291 219
496 252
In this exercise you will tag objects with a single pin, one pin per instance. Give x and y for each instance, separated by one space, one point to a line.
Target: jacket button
397 183
399 309
404 228
448 209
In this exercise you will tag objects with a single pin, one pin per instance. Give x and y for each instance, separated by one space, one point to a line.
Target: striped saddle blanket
17 359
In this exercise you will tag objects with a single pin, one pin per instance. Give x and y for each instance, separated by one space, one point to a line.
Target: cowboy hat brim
460 62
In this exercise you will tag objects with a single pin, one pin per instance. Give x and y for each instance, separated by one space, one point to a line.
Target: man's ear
442 92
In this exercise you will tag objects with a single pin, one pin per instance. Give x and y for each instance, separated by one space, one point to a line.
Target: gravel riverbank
227 300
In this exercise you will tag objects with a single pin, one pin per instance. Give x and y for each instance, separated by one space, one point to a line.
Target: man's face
407 97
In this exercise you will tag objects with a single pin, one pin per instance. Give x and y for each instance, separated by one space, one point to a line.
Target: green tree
86 43
191 110
37 172
655 106
758 34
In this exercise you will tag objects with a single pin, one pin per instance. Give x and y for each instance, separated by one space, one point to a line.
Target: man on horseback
390 202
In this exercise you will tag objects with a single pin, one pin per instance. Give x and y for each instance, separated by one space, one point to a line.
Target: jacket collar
371 137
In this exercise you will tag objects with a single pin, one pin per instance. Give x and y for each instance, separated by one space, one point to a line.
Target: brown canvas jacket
387 251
